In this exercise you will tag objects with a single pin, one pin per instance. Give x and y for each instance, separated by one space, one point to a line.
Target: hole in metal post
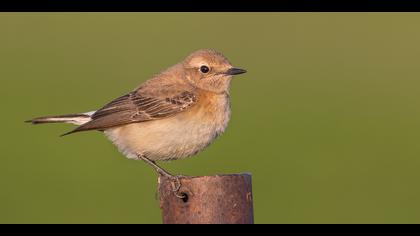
184 197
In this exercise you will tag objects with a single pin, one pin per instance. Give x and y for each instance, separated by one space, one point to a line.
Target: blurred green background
327 118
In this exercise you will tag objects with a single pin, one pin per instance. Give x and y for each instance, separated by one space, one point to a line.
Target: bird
173 115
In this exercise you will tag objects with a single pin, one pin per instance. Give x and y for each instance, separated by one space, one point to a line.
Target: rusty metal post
219 199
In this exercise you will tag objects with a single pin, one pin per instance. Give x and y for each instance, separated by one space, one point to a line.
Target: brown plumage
175 114
134 107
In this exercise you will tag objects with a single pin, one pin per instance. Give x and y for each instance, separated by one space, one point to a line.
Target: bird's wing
134 107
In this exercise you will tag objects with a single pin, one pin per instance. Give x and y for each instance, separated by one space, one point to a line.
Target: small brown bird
173 115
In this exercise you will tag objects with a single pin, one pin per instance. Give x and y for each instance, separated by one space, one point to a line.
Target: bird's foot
176 183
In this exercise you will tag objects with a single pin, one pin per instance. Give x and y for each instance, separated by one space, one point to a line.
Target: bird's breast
212 110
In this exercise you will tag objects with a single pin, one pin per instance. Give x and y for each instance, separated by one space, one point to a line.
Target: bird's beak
235 71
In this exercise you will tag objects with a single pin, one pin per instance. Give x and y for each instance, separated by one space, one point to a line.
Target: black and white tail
77 119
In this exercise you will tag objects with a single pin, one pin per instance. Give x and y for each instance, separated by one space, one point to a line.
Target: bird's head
209 70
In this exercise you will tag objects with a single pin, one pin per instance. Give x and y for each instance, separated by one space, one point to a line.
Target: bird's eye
204 69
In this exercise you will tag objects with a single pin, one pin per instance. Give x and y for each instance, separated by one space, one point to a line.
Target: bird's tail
77 119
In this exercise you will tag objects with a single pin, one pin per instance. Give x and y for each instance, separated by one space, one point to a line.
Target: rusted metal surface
219 199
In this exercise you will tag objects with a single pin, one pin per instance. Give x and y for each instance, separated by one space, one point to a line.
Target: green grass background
327 119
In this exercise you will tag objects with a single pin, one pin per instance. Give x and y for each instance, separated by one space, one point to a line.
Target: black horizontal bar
210 6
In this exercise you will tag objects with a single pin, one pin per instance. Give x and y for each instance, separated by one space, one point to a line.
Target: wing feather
134 107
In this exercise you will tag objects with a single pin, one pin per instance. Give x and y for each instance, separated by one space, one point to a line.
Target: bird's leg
163 172
159 169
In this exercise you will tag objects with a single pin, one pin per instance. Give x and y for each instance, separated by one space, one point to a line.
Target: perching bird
173 115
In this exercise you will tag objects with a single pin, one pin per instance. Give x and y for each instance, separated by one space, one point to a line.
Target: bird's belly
171 138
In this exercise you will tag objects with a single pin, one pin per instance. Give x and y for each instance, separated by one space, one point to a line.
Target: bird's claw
176 185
